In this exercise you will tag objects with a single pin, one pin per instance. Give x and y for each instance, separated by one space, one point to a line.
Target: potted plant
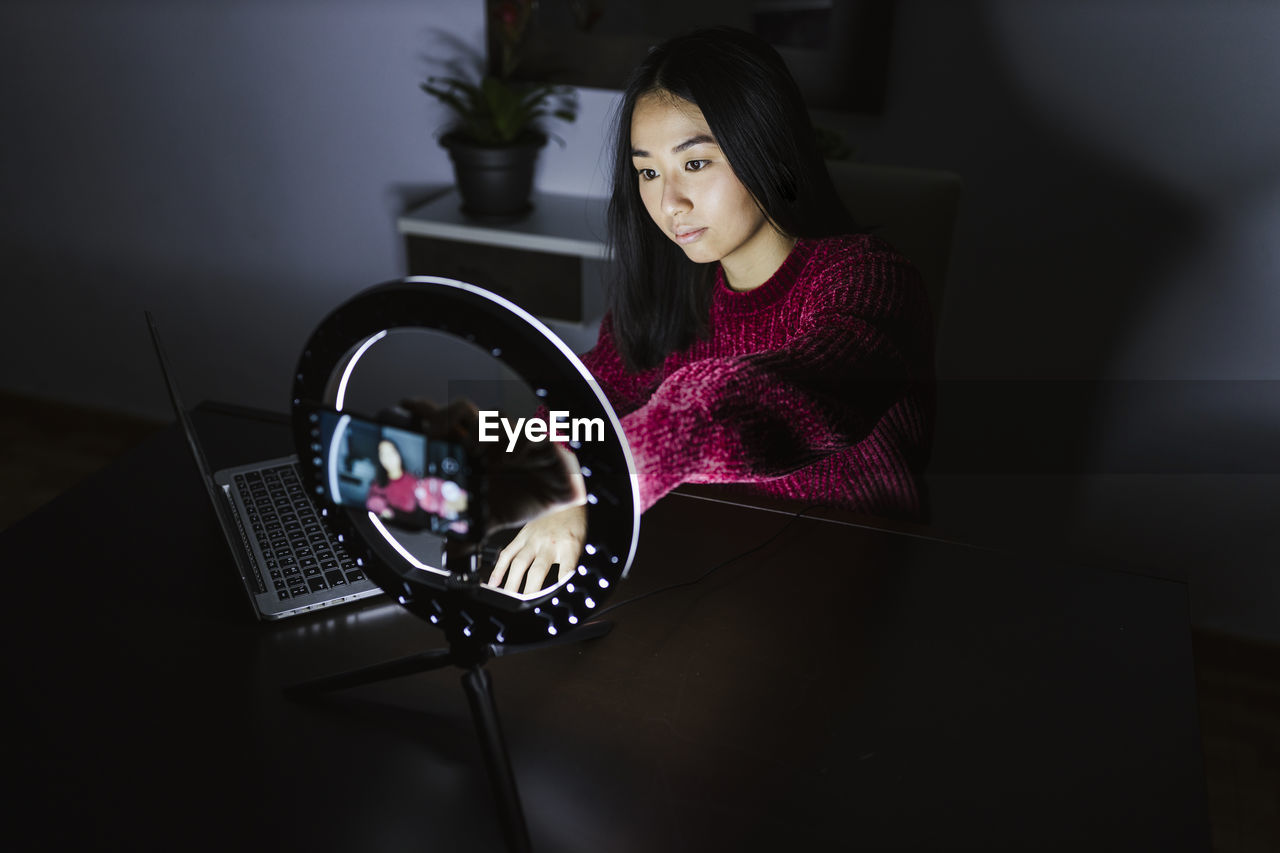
497 132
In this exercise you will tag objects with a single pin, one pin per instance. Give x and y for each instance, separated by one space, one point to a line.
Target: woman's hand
554 538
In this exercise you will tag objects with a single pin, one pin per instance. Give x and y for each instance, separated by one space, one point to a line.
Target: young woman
397 494
753 338
393 490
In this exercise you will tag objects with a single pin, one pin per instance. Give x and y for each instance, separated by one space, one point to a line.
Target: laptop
290 560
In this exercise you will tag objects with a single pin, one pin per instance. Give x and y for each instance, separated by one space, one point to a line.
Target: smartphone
396 473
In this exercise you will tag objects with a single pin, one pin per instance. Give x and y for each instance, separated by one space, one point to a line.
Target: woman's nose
675 199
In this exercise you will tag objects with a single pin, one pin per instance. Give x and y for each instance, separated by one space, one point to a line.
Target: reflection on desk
840 688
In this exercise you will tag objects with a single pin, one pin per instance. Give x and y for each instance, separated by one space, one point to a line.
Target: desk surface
914 694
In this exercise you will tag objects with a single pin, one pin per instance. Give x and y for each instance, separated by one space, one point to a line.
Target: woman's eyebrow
688 143
694 140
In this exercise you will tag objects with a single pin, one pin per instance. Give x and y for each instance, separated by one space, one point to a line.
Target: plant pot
494 181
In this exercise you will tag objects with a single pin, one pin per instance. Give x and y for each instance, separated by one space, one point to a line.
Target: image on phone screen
401 476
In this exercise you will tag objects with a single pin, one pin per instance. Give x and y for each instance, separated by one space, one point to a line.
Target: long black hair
757 115
383 476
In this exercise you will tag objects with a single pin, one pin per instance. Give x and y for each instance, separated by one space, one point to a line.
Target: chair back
913 209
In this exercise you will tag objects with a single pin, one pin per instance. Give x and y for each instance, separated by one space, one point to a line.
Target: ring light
560 381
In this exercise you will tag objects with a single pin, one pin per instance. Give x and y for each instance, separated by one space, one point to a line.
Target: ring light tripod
478 622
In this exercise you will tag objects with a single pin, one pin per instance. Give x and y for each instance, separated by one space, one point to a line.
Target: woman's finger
504 559
524 563
568 560
537 575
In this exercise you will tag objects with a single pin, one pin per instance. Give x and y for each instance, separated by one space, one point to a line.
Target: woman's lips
684 237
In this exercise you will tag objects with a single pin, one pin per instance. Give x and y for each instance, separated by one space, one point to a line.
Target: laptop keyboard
302 554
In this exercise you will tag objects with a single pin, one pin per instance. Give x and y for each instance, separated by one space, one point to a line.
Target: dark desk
915 695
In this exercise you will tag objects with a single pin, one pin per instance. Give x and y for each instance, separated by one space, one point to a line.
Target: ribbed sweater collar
726 300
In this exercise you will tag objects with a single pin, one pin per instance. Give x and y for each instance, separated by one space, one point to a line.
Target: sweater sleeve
625 389
748 418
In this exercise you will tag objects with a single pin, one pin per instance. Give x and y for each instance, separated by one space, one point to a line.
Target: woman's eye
696 165
646 174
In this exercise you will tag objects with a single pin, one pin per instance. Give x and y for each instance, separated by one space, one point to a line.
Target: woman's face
389 457
693 195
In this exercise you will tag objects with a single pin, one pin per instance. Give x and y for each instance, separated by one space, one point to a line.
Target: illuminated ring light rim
363 343
554 339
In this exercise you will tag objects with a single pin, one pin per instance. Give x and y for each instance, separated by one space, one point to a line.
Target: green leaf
451 100
495 112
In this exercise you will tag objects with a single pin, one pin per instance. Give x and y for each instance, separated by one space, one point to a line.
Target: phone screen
399 475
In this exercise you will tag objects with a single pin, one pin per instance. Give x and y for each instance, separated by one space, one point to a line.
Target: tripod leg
479 689
422 662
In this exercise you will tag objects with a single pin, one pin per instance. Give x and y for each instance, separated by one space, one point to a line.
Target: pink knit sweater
814 387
